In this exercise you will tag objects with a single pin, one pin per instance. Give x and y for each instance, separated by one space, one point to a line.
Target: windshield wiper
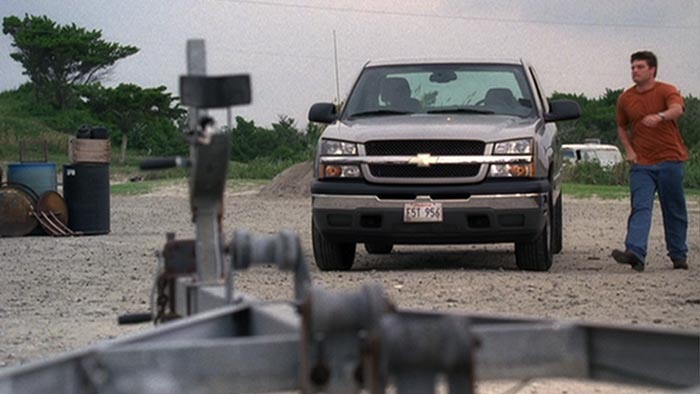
460 111
379 112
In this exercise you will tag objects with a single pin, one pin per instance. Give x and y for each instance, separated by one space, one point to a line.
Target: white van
592 151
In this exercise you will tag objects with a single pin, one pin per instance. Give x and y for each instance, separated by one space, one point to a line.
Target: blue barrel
40 177
86 191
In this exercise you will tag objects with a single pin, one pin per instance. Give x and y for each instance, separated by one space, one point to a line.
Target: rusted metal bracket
53 225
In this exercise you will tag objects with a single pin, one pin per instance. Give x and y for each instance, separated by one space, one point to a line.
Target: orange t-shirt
652 144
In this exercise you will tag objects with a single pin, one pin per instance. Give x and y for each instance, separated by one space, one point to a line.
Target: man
646 125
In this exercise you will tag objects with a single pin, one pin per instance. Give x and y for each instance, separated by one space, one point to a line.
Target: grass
145 187
148 186
609 192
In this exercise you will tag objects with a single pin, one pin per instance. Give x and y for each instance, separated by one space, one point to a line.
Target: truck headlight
508 170
514 147
338 148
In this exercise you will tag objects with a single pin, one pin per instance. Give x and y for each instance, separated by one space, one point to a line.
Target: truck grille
434 148
434 171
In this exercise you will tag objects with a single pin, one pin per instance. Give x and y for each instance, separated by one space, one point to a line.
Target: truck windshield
469 89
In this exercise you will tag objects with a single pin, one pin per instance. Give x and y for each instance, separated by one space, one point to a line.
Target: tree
283 141
130 107
242 149
597 119
690 122
57 57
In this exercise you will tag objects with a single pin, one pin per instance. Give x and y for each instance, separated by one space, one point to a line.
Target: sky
287 46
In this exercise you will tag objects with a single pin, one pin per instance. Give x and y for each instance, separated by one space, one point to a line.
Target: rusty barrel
17 203
86 192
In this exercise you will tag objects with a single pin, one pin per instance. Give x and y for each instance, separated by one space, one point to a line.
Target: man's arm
673 112
624 135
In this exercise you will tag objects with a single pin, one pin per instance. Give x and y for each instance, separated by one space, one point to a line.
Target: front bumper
374 213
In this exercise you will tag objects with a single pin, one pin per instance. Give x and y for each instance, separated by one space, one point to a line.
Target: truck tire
378 248
536 255
558 227
331 256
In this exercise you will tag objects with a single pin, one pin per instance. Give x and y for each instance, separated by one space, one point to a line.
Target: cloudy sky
578 46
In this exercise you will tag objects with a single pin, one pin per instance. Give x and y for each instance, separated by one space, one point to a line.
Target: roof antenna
337 81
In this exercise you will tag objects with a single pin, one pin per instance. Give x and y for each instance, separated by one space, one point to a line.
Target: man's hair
648 57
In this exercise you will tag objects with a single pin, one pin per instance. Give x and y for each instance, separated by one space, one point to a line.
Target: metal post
206 185
196 65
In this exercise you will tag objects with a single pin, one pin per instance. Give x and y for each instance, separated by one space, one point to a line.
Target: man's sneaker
680 264
628 258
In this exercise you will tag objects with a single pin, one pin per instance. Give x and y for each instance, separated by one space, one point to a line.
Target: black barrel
99 133
84 131
86 191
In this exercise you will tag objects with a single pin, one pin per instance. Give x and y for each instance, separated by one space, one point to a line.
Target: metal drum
17 204
40 177
86 192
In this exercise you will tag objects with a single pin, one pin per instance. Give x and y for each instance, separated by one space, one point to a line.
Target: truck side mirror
562 110
323 113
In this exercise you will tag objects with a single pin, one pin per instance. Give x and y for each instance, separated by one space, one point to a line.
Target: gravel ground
58 294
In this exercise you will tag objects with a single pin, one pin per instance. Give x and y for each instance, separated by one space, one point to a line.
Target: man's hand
624 135
651 120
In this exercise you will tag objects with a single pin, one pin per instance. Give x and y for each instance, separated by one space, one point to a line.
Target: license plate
422 212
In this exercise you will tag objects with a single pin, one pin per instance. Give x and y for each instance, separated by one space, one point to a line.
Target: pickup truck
439 152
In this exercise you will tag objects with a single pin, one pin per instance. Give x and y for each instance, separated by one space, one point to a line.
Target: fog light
512 170
335 171
350 171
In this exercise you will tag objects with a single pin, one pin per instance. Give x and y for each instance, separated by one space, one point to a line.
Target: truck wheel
536 255
558 227
378 248
331 256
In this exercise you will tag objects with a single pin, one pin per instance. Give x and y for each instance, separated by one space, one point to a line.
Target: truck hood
487 128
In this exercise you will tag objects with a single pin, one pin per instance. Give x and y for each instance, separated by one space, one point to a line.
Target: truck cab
439 152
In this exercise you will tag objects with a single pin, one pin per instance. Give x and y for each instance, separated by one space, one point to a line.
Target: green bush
591 173
692 169
283 141
23 104
159 137
69 120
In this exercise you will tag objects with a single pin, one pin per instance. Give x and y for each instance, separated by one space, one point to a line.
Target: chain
161 299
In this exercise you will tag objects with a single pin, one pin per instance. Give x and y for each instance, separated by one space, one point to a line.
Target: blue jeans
666 178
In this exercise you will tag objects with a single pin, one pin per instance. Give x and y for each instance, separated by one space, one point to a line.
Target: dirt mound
294 181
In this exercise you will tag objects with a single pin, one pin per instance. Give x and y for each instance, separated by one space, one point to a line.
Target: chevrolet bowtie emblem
423 160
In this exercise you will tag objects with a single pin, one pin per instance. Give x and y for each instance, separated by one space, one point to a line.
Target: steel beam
233 365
